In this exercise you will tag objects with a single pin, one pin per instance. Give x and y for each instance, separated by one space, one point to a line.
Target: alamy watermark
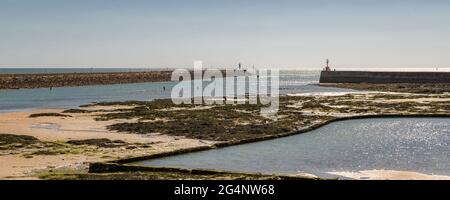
232 86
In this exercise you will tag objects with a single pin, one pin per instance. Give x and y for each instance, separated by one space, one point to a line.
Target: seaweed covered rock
8 141
102 142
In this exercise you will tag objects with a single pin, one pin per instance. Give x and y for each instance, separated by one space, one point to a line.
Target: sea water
403 144
72 97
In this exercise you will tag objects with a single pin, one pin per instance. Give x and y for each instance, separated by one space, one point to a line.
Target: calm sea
72 97
404 144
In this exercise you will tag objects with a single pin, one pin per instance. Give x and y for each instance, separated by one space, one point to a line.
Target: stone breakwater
383 77
26 81
17 81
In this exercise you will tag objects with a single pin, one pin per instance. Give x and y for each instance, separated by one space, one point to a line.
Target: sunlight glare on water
409 144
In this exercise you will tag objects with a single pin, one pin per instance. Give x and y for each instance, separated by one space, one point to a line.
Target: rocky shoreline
28 81
417 88
110 136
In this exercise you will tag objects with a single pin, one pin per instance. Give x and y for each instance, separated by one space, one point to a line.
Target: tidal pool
404 144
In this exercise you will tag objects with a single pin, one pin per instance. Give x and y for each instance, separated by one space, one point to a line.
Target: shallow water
71 97
410 144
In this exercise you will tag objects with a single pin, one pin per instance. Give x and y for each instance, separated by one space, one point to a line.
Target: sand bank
76 127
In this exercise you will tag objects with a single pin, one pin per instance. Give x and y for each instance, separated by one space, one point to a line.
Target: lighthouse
327 67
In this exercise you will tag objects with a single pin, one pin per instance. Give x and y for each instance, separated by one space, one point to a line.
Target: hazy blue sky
295 34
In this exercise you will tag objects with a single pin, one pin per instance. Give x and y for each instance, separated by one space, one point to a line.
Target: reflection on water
411 144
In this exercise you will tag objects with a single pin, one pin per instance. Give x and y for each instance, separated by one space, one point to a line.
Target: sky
277 34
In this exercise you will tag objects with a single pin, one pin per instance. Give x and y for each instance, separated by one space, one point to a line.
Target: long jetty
18 81
49 80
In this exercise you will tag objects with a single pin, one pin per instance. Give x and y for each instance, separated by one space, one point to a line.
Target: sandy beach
15 165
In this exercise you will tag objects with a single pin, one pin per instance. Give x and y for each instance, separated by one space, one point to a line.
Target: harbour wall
383 77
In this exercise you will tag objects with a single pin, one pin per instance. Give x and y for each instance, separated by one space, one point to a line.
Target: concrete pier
383 77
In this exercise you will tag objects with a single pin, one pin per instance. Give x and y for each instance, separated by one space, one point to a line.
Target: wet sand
389 175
